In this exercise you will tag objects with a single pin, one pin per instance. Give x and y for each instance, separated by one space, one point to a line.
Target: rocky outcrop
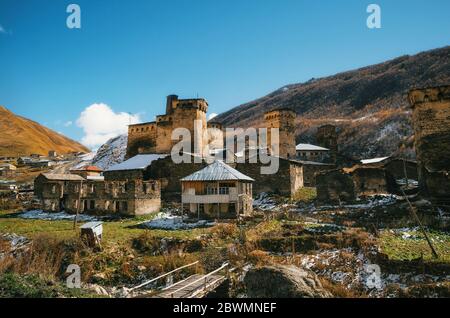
282 281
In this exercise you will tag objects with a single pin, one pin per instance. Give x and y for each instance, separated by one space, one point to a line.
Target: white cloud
212 115
100 123
68 123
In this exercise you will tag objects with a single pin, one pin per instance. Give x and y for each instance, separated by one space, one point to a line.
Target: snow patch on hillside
111 153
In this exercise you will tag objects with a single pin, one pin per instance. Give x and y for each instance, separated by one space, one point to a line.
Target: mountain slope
368 105
21 136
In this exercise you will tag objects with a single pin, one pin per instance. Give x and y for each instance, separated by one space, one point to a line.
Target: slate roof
62 177
138 162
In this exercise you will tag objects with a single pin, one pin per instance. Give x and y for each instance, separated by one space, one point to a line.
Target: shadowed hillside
368 105
21 136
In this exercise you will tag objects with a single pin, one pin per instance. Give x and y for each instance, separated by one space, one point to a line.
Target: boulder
283 281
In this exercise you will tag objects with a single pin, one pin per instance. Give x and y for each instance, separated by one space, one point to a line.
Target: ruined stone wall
310 171
285 182
370 181
335 186
284 120
397 168
132 197
431 121
169 174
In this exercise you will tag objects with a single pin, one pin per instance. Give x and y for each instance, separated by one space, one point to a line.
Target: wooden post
75 220
422 229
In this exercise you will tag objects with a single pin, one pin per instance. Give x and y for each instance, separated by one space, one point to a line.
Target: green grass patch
397 247
305 194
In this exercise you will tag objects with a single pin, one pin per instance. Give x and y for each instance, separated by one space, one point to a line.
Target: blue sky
130 54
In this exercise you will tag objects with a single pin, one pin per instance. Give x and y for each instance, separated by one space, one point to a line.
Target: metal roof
373 160
309 147
62 177
138 162
91 225
217 171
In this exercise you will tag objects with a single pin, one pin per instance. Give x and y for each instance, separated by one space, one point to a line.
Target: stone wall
335 186
327 137
284 120
155 137
431 121
131 197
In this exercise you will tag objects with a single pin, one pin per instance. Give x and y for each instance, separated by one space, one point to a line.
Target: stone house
7 170
345 185
398 167
217 191
431 123
310 152
123 190
87 171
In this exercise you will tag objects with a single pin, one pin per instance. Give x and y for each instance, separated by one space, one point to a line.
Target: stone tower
155 137
327 137
431 122
284 120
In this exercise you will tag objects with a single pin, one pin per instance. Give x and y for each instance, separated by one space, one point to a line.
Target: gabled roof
309 147
88 168
217 171
62 177
138 162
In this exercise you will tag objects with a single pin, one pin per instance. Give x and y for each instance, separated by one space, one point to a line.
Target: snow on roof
138 162
91 225
62 177
373 160
95 178
309 147
217 171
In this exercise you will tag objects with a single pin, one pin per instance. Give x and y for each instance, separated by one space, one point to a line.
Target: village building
217 191
7 170
431 122
123 190
23 161
87 171
345 185
399 168
310 152
52 154
8 186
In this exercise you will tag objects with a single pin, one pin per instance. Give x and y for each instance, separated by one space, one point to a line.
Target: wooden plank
187 288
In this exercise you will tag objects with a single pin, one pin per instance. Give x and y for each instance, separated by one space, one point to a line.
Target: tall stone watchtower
327 137
155 137
431 121
284 120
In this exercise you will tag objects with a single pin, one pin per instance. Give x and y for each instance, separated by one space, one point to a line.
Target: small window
53 188
92 204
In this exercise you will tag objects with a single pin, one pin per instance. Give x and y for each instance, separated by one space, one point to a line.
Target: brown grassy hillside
21 136
368 105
